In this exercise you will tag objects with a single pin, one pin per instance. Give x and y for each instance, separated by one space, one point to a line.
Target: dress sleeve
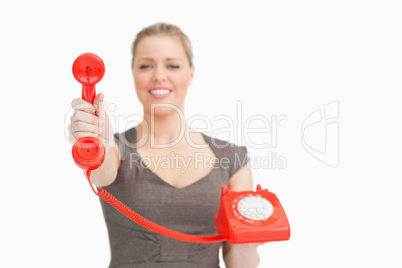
238 159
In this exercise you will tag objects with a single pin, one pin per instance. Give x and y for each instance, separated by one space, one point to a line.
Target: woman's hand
242 255
91 120
249 246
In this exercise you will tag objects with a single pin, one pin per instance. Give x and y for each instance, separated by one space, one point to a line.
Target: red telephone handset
243 217
88 69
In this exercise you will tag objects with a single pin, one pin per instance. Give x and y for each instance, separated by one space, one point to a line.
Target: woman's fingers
100 106
80 126
82 105
86 118
78 135
90 120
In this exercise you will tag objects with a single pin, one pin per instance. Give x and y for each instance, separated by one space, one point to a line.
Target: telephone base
251 217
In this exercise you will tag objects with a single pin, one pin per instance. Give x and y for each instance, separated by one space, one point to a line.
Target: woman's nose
159 74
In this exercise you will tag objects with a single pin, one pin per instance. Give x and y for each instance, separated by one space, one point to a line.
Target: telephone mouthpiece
88 153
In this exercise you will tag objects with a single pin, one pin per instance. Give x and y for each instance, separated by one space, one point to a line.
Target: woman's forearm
242 256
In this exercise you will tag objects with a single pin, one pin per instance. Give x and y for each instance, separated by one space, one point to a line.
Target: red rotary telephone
243 217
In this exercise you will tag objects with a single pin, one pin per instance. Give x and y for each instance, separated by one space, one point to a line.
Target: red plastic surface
232 226
88 69
88 153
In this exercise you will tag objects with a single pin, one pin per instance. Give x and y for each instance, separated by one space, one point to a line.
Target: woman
183 195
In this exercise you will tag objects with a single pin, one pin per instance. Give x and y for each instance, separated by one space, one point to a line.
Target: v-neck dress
188 210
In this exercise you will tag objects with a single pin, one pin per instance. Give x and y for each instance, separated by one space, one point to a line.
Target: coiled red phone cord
150 225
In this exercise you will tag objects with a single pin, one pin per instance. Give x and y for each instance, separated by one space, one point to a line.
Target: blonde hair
163 29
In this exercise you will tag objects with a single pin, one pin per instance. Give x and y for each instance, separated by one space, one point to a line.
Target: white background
278 58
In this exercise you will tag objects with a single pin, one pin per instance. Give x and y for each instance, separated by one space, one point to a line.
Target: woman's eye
174 66
144 66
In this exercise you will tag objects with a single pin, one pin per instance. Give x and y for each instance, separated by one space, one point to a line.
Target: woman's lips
159 92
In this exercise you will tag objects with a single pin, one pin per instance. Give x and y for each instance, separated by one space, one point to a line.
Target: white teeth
160 91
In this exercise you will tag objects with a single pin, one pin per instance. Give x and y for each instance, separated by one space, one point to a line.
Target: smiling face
162 72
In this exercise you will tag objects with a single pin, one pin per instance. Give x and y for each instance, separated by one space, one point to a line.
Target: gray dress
188 210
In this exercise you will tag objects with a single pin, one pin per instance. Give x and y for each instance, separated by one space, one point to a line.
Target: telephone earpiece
88 69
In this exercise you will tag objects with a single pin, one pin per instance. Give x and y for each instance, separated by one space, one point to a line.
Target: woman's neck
162 130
